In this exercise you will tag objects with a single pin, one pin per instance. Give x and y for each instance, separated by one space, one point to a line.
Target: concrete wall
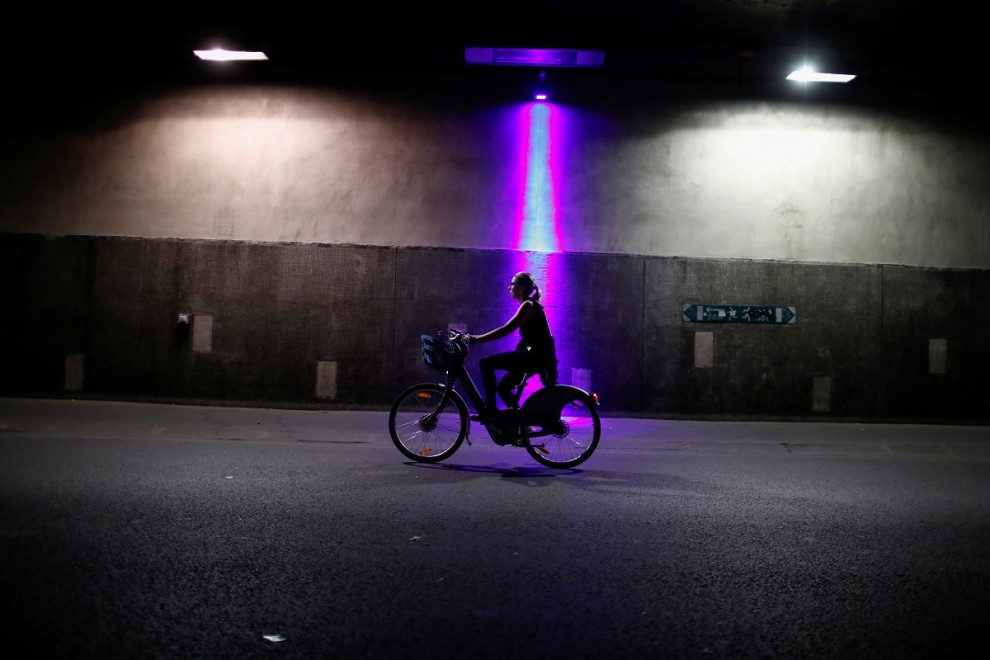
339 326
313 232
658 169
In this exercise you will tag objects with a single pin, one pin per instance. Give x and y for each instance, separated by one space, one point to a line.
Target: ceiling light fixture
223 55
541 92
544 57
807 74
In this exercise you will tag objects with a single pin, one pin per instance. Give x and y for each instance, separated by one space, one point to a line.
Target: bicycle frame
510 424
474 394
424 434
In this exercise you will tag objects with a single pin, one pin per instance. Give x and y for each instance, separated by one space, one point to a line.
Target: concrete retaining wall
339 326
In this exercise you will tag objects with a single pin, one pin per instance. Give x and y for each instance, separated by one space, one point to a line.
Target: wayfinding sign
739 314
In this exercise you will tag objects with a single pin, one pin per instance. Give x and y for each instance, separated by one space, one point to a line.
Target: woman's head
524 286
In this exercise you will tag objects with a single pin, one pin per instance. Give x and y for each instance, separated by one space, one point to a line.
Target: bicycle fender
551 400
454 393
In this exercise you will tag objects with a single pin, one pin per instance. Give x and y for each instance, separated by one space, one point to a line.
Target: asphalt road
140 531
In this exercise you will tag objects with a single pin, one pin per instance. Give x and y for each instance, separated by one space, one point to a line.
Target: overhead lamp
807 74
541 92
543 57
224 55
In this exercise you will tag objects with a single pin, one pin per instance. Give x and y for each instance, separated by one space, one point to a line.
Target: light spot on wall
202 333
75 370
326 379
536 223
821 394
704 350
938 350
581 378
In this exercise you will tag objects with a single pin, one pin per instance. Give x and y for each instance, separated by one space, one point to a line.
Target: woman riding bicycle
558 425
535 352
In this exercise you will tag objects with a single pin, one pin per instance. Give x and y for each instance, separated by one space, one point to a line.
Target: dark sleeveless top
535 333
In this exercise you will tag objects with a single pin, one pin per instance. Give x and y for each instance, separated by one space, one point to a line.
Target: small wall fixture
224 55
807 74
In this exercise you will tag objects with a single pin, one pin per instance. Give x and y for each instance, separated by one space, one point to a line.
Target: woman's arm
521 316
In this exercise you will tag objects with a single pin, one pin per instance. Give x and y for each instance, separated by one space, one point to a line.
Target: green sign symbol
739 314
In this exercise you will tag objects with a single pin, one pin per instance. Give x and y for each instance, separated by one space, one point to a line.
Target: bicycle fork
428 422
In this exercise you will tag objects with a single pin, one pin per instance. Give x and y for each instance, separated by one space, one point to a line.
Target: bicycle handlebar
457 339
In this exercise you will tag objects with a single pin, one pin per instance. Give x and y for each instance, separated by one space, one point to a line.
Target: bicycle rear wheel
417 433
576 438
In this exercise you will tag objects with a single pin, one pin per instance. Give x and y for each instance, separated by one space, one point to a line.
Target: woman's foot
483 416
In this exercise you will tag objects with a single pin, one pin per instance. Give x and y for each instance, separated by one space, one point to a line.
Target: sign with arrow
739 314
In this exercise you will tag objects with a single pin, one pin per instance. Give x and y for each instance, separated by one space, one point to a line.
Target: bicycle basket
438 353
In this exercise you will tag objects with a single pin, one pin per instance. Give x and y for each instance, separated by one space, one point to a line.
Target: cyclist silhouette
535 352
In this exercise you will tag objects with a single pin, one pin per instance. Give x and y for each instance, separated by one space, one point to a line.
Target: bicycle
558 425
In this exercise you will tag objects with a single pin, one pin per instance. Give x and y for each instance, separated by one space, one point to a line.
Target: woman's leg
507 385
515 362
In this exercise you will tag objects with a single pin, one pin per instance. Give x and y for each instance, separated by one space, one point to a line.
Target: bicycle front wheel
575 439
422 432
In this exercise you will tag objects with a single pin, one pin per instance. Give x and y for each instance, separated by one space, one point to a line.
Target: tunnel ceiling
886 43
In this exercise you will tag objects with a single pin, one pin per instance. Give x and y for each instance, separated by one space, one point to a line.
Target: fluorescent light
808 75
545 57
223 55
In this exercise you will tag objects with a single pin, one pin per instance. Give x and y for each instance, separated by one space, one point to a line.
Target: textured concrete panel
922 304
44 289
762 367
75 371
119 341
870 342
276 311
